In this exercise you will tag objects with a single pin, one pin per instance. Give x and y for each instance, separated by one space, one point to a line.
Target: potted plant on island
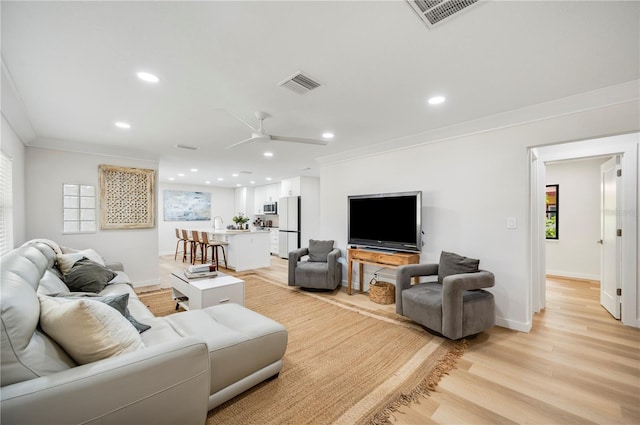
241 221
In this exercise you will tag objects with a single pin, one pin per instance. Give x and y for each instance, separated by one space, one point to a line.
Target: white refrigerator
289 223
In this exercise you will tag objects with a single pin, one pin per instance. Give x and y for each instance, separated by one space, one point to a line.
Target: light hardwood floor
578 365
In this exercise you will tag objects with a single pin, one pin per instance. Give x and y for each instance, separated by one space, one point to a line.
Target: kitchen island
246 250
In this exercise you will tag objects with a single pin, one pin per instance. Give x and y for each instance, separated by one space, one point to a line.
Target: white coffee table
206 292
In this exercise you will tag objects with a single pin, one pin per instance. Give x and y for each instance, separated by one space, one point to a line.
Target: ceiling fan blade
299 140
239 143
241 120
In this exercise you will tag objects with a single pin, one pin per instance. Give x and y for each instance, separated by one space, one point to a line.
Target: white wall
576 254
309 209
222 204
470 185
13 147
46 171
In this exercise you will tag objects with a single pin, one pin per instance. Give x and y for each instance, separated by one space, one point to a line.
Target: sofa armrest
404 275
116 266
294 257
167 383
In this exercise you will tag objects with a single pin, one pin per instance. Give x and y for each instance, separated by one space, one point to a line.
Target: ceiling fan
259 133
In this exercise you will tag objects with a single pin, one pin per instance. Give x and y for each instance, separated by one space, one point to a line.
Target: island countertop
236 232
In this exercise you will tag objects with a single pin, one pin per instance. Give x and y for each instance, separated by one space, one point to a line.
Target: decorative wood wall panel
127 197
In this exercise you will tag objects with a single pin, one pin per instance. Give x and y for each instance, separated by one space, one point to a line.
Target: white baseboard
144 283
573 275
514 325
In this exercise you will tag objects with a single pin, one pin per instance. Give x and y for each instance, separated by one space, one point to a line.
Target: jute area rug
343 365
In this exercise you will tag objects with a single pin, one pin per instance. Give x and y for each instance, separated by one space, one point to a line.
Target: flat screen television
391 221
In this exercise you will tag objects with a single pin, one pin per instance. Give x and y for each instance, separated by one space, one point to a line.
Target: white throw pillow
66 261
87 330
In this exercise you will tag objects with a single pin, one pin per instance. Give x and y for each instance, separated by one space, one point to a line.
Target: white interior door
610 247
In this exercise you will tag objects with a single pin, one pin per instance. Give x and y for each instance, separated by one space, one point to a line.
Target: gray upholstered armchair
455 306
320 271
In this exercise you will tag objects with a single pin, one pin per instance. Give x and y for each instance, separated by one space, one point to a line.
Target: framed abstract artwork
180 205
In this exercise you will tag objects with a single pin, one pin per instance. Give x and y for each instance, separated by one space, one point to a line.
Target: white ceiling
72 66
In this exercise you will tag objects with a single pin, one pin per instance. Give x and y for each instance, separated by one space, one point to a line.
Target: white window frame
79 213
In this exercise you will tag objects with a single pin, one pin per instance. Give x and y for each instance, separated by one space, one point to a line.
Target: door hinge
619 292
619 232
619 172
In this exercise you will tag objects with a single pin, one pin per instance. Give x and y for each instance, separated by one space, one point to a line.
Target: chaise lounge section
173 372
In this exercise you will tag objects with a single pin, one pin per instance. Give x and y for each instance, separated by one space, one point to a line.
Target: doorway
627 147
574 226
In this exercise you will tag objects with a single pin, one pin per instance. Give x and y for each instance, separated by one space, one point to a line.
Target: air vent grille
434 12
300 83
191 148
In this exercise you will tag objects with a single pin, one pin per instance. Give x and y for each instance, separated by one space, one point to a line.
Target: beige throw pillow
66 261
87 330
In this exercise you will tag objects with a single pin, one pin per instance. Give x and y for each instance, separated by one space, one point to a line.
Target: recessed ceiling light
268 179
180 174
148 77
220 179
122 124
194 170
327 135
252 182
235 174
238 185
172 178
436 100
268 154
207 182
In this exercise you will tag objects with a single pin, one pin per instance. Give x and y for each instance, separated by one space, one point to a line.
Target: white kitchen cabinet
272 192
245 250
290 187
260 193
275 240
265 194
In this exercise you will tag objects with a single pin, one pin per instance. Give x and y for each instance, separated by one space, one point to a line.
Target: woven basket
382 293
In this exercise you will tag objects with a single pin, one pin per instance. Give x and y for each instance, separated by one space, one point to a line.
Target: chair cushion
451 263
319 250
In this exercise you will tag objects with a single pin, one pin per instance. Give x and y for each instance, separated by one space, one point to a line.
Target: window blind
6 203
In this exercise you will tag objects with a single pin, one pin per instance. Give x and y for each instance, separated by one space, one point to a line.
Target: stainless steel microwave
270 208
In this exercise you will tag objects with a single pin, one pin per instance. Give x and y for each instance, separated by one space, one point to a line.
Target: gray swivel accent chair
454 306
320 271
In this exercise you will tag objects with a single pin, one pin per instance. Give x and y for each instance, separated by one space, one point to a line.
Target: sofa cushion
66 261
88 276
451 263
318 250
87 330
119 301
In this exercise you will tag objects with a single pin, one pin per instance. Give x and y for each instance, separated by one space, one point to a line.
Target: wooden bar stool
188 241
184 245
197 243
214 244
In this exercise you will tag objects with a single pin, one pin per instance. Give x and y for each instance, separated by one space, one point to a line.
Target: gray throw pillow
88 276
318 250
451 263
119 302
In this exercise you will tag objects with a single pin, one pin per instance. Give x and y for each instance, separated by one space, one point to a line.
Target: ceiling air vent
300 83
191 148
434 12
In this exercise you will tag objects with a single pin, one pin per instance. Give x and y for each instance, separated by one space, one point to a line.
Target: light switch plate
511 223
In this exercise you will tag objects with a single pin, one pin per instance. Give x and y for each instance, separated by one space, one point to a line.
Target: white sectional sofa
182 366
